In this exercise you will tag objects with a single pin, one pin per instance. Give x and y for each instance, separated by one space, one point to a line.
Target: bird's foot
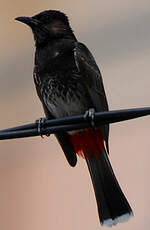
90 115
40 124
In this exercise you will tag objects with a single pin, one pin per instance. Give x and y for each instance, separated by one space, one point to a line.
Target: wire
72 123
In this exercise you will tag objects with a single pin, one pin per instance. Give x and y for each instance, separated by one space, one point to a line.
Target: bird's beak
28 21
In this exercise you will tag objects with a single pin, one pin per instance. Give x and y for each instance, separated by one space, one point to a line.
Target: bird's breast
64 96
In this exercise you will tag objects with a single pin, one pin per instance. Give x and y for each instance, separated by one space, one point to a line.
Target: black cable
72 123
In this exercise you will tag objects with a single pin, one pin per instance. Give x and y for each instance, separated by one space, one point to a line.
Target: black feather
111 201
67 147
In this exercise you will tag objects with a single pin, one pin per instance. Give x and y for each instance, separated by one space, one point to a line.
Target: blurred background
38 189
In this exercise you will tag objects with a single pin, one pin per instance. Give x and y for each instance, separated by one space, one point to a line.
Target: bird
68 82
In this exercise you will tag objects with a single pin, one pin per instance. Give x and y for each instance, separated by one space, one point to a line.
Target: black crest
48 16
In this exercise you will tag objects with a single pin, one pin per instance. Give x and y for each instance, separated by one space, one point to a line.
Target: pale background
38 189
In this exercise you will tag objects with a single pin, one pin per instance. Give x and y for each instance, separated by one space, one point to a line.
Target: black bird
68 82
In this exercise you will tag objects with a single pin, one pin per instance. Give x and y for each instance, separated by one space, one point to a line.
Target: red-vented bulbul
68 82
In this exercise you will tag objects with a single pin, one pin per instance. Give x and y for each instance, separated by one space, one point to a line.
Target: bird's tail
113 206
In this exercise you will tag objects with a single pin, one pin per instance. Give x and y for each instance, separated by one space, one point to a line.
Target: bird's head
48 25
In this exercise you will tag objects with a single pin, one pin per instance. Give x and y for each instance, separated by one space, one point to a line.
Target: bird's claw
40 123
90 115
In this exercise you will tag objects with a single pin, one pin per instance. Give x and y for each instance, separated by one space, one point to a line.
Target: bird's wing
93 81
66 145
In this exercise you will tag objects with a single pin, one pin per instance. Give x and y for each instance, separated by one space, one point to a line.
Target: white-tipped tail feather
112 204
120 219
